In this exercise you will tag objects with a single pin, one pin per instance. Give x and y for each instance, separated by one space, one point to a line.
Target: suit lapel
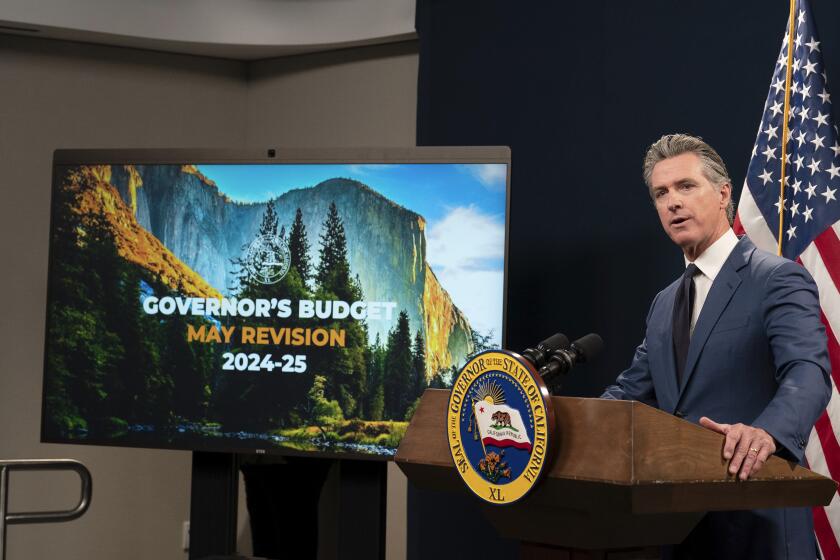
723 288
669 362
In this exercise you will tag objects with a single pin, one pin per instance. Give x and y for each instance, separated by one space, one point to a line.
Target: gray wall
64 95
358 97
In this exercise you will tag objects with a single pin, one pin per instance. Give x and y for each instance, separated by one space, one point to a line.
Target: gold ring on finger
754 450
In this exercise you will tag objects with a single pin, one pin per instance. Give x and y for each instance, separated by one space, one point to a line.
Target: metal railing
7 518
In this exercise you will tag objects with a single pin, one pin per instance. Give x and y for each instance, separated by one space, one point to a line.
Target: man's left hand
746 448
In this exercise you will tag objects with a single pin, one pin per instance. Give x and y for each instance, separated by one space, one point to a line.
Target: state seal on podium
499 426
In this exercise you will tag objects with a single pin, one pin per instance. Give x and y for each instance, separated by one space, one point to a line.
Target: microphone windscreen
555 342
589 345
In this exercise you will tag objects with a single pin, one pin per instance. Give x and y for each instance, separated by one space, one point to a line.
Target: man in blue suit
735 344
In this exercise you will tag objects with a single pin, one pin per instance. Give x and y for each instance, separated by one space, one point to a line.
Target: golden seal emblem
499 426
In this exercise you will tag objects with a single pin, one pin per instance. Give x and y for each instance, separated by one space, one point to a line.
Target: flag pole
785 131
480 438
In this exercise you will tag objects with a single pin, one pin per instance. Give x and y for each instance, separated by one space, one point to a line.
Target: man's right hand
747 448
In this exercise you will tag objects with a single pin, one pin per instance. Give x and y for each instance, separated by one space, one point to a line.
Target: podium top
626 452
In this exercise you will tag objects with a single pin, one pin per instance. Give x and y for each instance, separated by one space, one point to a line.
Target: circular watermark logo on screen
267 259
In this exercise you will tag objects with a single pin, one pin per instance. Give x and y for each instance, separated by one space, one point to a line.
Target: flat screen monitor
281 301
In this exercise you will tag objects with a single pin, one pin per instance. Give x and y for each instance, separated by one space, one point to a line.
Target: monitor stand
362 509
213 504
358 516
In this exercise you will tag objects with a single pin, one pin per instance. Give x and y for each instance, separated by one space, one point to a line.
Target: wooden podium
624 475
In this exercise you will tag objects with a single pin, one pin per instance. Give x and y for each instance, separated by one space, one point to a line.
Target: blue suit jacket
758 356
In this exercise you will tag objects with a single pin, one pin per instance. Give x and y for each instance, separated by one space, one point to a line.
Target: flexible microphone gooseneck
562 360
539 356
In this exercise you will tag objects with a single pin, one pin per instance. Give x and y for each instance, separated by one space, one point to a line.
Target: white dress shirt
709 262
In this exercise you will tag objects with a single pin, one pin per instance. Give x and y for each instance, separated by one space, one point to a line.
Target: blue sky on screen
463 204
428 189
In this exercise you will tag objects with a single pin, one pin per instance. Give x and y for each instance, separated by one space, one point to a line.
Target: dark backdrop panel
578 91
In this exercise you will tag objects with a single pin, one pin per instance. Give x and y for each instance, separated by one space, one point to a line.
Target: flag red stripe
825 431
831 453
507 443
828 245
833 346
833 350
738 227
830 447
825 534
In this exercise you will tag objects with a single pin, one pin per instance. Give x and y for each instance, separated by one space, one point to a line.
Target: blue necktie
683 302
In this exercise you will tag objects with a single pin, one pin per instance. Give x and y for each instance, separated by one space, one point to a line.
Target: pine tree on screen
375 404
418 374
398 366
333 273
244 285
418 365
345 369
299 248
139 392
481 341
104 364
185 365
269 222
83 353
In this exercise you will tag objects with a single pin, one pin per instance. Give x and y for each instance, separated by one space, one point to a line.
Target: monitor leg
213 504
361 519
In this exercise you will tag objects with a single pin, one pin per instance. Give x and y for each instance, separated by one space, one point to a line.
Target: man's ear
726 194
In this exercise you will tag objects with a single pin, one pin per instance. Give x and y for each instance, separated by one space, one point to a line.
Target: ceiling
235 29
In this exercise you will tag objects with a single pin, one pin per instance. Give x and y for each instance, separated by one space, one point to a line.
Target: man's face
691 209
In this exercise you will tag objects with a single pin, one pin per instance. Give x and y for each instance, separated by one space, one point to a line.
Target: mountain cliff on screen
386 244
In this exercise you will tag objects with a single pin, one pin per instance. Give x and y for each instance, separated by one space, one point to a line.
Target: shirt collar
711 260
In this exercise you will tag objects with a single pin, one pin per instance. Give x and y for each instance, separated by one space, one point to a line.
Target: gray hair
673 145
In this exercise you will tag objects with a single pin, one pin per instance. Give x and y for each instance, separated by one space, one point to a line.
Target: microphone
562 360
540 355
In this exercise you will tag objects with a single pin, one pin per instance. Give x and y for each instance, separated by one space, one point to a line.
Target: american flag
811 226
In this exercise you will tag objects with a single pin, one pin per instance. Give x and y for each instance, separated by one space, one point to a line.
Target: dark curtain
578 90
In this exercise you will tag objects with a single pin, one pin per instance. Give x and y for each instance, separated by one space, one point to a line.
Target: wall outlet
185 536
